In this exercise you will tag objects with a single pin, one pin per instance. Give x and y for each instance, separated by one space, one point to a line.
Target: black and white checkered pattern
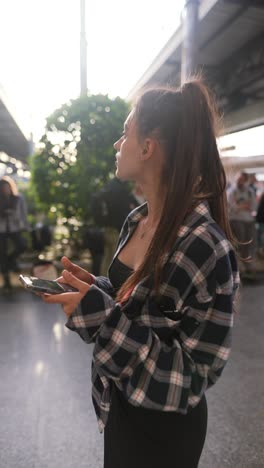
164 351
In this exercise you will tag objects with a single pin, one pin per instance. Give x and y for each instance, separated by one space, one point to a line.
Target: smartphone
38 285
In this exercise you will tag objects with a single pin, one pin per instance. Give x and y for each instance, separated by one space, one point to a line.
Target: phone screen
47 284
38 285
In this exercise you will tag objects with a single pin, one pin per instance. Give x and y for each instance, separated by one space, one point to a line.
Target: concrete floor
46 414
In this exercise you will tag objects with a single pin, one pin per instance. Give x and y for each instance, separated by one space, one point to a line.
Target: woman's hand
77 271
68 300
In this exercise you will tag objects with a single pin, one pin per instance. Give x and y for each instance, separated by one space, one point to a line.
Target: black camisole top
119 273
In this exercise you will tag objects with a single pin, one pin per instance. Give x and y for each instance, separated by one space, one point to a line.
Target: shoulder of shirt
201 229
199 224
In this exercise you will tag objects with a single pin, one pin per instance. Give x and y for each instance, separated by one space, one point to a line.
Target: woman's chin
118 173
123 175
120 176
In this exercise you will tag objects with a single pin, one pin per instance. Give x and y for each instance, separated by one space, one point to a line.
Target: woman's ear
148 148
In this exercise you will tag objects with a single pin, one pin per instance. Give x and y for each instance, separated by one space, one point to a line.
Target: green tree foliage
76 157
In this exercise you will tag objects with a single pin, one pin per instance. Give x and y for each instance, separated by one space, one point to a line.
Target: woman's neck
155 205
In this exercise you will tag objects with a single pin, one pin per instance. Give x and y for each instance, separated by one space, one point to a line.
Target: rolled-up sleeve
91 313
104 283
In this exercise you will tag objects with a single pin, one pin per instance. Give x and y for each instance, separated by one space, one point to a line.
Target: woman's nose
116 145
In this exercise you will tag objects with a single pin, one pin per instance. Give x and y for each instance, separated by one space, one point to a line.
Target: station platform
47 417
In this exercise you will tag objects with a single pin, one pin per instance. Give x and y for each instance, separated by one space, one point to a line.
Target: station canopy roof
231 55
13 139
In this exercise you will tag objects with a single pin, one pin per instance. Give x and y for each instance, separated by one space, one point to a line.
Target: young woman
161 322
13 220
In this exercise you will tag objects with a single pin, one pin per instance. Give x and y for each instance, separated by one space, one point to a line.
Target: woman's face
128 161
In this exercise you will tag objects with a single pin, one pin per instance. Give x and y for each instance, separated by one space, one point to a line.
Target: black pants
8 259
140 438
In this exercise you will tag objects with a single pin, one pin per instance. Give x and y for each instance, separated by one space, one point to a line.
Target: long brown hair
185 122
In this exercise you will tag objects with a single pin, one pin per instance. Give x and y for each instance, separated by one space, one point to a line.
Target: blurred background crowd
29 239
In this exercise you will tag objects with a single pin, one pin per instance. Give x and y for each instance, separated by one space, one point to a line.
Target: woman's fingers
60 279
68 265
69 300
62 298
72 267
76 270
70 279
66 261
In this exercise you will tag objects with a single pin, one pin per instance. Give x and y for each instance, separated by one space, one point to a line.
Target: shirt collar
137 214
201 210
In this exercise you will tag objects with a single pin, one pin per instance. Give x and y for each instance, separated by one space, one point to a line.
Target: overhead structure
83 50
230 53
13 140
189 44
252 165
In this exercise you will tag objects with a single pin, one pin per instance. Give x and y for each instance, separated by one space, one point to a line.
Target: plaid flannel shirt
163 351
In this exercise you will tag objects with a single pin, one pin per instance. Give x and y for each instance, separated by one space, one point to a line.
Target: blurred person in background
260 221
242 207
252 182
13 221
161 321
93 240
110 208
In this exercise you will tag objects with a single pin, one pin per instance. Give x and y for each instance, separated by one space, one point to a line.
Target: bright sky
39 53
39 49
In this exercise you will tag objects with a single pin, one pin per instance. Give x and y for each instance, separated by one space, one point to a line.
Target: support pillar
189 46
83 51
